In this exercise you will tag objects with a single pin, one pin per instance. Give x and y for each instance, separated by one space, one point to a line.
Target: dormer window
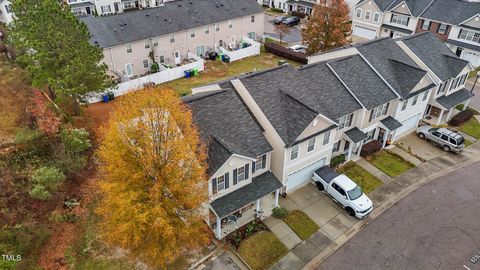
399 19
260 163
294 152
240 174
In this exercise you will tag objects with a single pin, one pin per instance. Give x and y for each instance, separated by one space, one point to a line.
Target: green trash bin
282 62
195 71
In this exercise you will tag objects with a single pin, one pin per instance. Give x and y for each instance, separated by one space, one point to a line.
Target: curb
341 240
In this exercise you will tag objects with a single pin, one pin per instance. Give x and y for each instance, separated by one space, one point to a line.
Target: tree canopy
54 47
328 26
154 177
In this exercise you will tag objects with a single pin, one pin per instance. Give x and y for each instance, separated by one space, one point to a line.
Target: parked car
291 21
279 19
344 191
447 139
299 48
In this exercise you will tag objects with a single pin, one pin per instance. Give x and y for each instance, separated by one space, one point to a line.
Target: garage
364 32
302 176
407 125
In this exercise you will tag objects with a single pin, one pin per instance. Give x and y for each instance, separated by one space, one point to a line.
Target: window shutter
264 161
214 185
429 25
386 109
438 27
447 30
371 115
253 167
247 169
350 120
235 177
391 18
460 33
408 19
227 181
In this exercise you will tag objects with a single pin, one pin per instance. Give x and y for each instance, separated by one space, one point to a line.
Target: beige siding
473 22
391 111
402 8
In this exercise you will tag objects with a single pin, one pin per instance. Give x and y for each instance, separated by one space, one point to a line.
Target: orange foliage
153 178
46 120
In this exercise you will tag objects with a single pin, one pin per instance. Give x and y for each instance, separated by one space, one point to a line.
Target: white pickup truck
344 191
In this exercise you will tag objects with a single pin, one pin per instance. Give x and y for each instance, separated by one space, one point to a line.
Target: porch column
393 136
465 105
349 156
359 150
440 117
449 114
219 228
385 137
277 194
258 205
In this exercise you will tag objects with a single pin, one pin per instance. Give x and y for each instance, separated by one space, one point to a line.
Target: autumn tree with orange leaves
153 178
328 26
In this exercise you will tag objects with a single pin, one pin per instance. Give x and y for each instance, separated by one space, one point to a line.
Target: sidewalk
317 248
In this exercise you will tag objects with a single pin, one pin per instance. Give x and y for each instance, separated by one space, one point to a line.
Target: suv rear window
452 140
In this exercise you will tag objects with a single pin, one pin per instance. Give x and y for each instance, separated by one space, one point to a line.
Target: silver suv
447 139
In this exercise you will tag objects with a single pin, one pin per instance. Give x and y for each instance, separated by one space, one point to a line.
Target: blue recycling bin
105 97
188 73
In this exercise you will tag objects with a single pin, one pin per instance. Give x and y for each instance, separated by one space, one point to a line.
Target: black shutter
391 17
459 33
227 181
214 185
351 119
386 110
235 177
253 167
371 115
429 25
247 169
447 30
408 19
264 161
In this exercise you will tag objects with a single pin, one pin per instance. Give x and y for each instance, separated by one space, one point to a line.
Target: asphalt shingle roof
451 11
362 80
463 45
454 99
435 54
226 125
391 123
355 134
260 186
393 64
415 6
172 17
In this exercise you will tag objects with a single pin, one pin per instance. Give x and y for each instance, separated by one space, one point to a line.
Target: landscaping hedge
461 118
278 10
298 14
337 160
281 51
371 148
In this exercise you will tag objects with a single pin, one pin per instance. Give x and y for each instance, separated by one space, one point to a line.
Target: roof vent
165 19
148 15
179 5
115 29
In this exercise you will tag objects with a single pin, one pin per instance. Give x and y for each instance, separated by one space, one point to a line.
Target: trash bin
187 73
282 62
105 97
195 72
226 58
111 96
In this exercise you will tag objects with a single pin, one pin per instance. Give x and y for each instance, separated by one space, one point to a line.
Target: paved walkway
373 170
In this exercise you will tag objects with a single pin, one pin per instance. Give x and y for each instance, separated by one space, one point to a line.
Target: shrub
45 180
460 107
281 51
337 160
461 118
27 135
279 212
75 140
370 148
155 68
298 14
277 10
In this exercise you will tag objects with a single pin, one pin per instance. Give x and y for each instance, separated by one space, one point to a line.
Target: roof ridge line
408 65
222 144
455 58
200 96
298 101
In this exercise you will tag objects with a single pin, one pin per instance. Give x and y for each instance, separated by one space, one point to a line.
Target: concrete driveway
422 148
293 38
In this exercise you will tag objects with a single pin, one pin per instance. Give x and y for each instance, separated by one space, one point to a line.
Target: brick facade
434 29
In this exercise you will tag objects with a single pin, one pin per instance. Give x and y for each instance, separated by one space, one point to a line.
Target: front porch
442 109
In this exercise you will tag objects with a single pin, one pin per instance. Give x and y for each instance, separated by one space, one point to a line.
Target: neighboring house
82 7
241 185
171 31
304 6
6 15
107 7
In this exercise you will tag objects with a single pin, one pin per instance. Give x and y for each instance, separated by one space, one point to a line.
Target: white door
364 32
129 70
177 58
303 175
407 125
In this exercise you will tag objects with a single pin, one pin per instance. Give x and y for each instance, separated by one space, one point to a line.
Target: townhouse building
455 22
6 14
131 41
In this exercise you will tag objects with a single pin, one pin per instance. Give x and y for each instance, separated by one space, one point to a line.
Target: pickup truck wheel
319 186
446 148
350 211
421 135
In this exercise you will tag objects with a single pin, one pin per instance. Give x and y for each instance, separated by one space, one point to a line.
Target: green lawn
301 224
262 250
390 163
471 127
367 181
217 70
468 143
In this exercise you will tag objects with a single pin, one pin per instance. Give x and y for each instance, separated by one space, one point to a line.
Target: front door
115 6
381 134
391 34
459 51
200 51
346 146
177 58
136 4
88 10
129 70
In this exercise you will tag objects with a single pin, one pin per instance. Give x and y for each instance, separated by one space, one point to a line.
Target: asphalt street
292 38
435 227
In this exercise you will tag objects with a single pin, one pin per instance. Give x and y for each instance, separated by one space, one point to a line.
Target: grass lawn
262 250
367 181
217 70
467 143
471 127
390 163
301 224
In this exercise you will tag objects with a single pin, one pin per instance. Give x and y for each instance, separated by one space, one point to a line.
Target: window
326 137
444 137
162 59
370 135
404 105
240 174
442 87
147 3
172 38
469 35
252 18
339 189
147 44
128 5
367 15
145 63
336 146
200 50
376 17
217 27
452 140
105 9
129 48
207 30
454 84
345 121
358 14
425 95
220 43
192 33
294 152
415 99
436 134
464 78
155 43
252 35
378 111
311 145
259 163
400 19
219 184
425 25
442 28
230 25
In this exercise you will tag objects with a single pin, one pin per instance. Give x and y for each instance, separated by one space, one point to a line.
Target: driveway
435 227
293 38
422 148
475 101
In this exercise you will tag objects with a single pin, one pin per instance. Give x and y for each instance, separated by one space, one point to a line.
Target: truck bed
326 173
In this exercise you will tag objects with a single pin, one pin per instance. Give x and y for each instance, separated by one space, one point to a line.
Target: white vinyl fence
165 75
251 50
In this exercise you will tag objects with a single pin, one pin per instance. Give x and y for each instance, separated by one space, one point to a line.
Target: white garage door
303 175
364 32
407 125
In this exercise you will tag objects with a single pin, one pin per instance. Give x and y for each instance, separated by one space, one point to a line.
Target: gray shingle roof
454 99
391 123
365 84
300 2
355 134
396 28
451 11
81 4
382 4
326 173
415 6
435 54
463 45
227 127
393 64
170 18
260 186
